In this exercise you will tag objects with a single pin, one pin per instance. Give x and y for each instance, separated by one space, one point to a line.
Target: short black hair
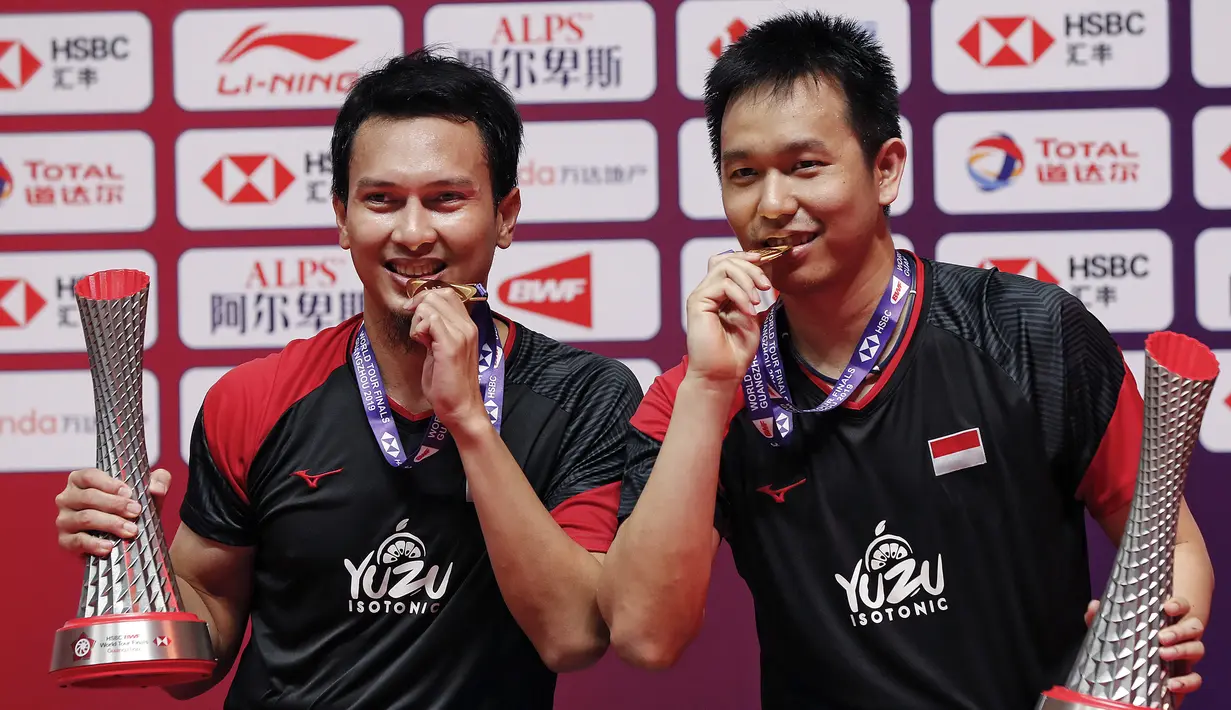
787 47
427 83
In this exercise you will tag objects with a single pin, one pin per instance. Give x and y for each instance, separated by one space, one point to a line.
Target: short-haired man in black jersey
918 540
398 537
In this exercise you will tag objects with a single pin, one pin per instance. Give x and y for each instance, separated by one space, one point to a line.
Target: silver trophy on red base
1118 666
130 628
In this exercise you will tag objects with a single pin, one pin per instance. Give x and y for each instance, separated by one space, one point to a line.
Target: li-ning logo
890 560
399 563
309 46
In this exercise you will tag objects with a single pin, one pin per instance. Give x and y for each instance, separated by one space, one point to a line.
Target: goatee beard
397 331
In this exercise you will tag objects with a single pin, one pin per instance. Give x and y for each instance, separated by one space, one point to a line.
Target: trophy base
132 650
1061 698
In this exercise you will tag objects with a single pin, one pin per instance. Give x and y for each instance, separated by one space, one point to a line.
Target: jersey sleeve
585 489
645 438
1105 412
216 504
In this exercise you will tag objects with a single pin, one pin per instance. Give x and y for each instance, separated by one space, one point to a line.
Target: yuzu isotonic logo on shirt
389 579
891 582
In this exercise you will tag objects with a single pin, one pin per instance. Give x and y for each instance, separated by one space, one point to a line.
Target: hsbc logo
580 291
254 178
248 179
1212 157
62 62
38 310
1124 277
704 29
1006 41
1029 267
278 58
1070 46
558 291
731 35
19 303
17 65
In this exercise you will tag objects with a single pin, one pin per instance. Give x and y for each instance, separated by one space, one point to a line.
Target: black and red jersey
372 584
924 547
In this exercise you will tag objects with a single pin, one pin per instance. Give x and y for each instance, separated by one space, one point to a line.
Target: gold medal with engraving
768 254
469 293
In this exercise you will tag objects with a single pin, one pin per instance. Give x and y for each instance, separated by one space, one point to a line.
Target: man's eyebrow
795 146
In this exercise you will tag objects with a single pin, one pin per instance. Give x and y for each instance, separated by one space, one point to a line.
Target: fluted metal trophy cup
130 628
1118 666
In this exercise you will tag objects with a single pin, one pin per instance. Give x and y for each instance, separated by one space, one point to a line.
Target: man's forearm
1193 577
548 581
224 638
656 575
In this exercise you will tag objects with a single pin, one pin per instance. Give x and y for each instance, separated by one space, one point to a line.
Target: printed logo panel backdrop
1083 143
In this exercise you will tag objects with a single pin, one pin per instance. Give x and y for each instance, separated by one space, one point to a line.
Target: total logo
889 583
258 179
278 58
388 579
995 161
580 291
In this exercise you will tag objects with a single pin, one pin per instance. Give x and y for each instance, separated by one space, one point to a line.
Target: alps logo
891 584
19 303
1029 266
1006 41
390 578
17 65
560 291
315 47
248 179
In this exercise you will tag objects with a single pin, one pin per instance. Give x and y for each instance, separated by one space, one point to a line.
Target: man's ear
339 214
506 218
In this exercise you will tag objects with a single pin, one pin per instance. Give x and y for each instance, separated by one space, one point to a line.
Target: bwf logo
398 563
889 583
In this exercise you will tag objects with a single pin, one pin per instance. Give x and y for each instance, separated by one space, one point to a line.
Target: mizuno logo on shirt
313 480
957 451
779 495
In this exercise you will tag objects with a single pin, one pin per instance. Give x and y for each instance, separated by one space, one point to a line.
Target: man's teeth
415 272
792 241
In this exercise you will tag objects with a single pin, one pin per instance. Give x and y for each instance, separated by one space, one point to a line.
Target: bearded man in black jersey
412 507
901 452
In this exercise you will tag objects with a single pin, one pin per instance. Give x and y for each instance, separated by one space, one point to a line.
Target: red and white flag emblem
957 451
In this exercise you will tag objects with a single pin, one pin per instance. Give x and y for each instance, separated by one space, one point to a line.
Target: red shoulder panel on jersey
1112 476
590 517
653 415
241 409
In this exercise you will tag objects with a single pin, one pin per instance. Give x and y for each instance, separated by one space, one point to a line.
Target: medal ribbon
376 400
765 388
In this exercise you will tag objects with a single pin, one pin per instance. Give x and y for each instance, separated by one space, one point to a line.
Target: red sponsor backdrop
41 585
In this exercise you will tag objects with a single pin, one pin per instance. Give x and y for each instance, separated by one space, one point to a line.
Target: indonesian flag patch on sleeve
957 451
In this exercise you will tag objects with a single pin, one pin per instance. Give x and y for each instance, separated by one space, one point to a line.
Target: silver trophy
131 629
1118 665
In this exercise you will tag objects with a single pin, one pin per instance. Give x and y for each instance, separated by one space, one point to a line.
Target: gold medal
768 254
469 293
